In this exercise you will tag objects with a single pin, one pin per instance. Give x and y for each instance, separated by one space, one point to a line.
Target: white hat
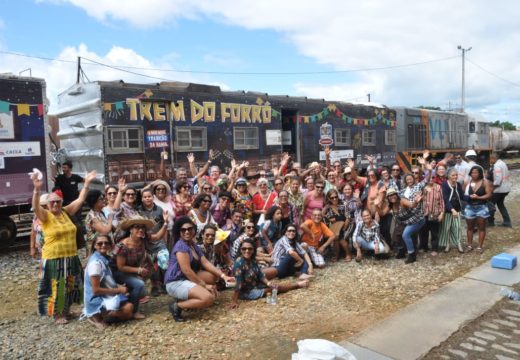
471 152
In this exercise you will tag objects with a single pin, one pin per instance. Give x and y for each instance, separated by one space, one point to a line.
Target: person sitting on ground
367 237
318 237
131 262
251 282
213 247
127 210
104 300
190 277
337 219
289 256
271 229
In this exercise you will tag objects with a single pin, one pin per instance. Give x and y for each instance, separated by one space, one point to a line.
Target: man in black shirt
68 183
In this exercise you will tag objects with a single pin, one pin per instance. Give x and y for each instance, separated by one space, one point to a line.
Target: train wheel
7 232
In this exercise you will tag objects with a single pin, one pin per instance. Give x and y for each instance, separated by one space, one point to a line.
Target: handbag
80 234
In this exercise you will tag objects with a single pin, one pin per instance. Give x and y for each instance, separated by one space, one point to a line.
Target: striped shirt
432 202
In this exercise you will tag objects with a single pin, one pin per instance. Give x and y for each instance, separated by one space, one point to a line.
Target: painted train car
440 132
122 129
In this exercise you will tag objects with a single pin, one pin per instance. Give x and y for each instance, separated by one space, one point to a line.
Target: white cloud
359 34
61 75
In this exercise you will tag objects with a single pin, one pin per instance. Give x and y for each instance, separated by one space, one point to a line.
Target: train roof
215 89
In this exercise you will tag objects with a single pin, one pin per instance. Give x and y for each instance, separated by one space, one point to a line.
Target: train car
505 141
122 129
440 132
23 146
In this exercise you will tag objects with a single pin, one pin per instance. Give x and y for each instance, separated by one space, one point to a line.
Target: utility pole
463 92
368 95
79 70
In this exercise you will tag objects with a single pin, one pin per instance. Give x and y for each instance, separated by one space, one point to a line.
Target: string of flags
332 109
113 109
21 109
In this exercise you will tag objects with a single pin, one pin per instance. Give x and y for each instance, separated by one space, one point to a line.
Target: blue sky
278 36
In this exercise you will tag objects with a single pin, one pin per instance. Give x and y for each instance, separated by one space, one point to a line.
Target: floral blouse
248 275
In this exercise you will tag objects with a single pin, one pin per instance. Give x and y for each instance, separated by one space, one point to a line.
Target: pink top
311 205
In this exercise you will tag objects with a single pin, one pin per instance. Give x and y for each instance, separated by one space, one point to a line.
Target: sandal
61 320
358 259
469 248
479 250
144 300
348 259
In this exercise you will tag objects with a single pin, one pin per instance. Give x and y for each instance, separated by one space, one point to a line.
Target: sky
401 52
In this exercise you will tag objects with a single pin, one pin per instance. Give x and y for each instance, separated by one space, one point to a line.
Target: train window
124 140
191 139
245 138
369 138
390 137
342 137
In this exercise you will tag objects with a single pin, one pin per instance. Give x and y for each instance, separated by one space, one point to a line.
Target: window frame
390 143
244 146
363 135
348 137
190 147
109 140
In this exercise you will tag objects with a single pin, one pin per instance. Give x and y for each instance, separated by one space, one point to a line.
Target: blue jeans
134 284
409 231
286 267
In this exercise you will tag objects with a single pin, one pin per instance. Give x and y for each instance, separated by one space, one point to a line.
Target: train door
290 134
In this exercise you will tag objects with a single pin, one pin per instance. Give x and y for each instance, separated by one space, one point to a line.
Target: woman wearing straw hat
131 262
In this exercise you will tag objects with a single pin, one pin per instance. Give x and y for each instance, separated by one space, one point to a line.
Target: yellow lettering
256 113
177 111
132 104
146 110
159 112
224 111
235 113
197 111
266 114
209 111
245 113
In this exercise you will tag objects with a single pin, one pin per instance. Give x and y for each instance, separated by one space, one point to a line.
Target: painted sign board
20 149
273 137
338 154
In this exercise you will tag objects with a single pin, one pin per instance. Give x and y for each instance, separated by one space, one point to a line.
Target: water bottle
268 300
511 294
274 297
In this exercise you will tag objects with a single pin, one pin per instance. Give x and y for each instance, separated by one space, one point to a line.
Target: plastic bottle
511 294
274 297
268 300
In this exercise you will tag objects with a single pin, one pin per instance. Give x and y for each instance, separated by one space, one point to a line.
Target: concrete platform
414 330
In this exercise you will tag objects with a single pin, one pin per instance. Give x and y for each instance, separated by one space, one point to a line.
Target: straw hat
156 183
391 191
221 236
127 223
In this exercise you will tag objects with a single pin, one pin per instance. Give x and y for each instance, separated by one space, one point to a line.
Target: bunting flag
21 109
332 109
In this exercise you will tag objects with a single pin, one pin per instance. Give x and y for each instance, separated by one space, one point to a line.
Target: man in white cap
471 157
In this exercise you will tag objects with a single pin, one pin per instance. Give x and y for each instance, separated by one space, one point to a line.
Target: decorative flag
4 106
40 109
325 112
119 105
107 106
305 119
24 109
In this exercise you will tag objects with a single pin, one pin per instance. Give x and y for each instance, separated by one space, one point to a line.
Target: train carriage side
438 131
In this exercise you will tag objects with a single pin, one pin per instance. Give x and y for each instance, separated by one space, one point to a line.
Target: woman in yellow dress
61 278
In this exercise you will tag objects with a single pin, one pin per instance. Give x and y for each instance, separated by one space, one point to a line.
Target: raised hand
421 160
370 158
233 163
166 216
38 183
350 163
326 149
90 177
211 154
121 184
426 154
191 158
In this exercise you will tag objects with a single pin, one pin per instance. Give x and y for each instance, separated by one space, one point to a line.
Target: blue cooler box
503 261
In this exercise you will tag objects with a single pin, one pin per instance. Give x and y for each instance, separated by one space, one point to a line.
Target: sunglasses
103 243
333 198
415 172
160 189
209 235
139 227
187 229
319 187
130 194
347 173
206 200
250 227
206 188
52 202
247 249
291 230
395 169
185 187
112 193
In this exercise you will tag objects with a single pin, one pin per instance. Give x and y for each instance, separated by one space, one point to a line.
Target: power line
493 74
122 67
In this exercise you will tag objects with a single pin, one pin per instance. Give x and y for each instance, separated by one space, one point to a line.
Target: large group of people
191 237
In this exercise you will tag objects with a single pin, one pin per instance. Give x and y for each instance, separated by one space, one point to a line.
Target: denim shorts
254 294
474 211
180 289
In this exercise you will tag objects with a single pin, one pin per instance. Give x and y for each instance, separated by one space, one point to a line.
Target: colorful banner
21 109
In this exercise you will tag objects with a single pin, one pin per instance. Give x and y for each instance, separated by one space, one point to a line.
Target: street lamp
462 101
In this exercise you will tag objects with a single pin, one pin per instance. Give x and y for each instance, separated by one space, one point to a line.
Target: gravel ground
341 301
